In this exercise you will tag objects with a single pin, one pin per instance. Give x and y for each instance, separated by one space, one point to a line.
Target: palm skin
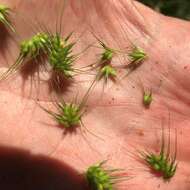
120 123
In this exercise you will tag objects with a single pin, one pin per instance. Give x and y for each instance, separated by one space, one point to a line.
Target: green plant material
33 47
61 58
175 8
137 56
107 72
163 163
69 114
107 54
29 50
104 66
147 98
4 17
99 178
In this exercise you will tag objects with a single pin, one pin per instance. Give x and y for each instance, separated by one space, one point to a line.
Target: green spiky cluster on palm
163 163
4 17
107 54
137 55
107 72
29 49
68 115
61 58
99 178
147 98
33 47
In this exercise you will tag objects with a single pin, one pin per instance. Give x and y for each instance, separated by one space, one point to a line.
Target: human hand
37 155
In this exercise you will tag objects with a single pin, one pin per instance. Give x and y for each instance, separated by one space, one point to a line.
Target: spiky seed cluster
162 163
29 49
107 55
61 58
4 17
137 55
108 72
69 114
147 99
33 47
106 69
99 178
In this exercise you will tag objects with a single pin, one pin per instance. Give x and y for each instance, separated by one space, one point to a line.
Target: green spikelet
61 58
33 47
4 17
163 163
29 50
69 115
137 55
99 178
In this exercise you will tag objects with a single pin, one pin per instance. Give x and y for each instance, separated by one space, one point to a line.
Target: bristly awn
163 163
100 177
4 17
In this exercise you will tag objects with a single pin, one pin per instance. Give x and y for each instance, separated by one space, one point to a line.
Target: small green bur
69 115
147 99
137 55
4 14
99 178
31 48
106 69
163 163
108 72
108 53
61 58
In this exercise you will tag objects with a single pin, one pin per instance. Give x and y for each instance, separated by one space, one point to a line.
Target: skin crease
115 114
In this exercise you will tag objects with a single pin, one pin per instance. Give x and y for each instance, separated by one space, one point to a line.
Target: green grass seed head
163 163
99 178
29 49
147 98
61 58
107 72
4 17
68 115
107 54
33 47
137 55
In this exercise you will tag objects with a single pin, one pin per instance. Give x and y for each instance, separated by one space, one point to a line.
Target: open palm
36 154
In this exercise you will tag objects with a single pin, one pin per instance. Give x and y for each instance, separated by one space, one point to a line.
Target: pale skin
120 123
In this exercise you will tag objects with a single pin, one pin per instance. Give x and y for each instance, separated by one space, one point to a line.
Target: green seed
163 162
61 58
29 49
68 115
137 55
147 99
4 17
100 178
108 72
107 55
33 47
